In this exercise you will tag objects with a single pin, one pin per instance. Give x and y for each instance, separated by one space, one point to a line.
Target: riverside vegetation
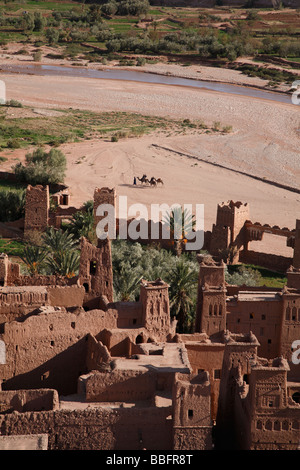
100 31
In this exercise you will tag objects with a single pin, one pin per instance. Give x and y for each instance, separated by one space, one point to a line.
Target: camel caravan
149 182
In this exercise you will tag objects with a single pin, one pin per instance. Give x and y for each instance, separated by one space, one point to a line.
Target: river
145 77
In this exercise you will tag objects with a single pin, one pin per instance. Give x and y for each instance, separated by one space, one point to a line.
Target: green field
73 125
213 34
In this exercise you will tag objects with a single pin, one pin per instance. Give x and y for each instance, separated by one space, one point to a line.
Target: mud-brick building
266 413
80 371
272 315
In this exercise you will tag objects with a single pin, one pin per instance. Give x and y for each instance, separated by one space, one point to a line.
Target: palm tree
34 257
183 282
126 283
65 263
180 222
82 223
57 240
63 256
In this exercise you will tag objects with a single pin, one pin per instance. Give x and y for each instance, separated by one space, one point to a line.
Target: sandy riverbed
264 142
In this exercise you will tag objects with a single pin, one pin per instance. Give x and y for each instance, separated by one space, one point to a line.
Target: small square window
190 413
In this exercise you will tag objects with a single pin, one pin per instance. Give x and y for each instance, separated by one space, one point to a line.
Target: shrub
52 35
140 61
13 144
42 167
12 204
14 104
37 56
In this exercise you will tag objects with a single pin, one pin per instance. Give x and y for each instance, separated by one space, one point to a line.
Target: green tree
34 258
52 36
58 241
12 205
126 284
64 263
39 21
244 276
27 22
180 222
63 256
42 167
82 223
183 282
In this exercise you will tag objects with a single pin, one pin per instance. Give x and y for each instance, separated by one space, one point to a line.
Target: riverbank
14 54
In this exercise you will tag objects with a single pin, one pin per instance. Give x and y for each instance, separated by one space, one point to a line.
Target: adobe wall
296 259
96 429
124 385
8 271
276 419
191 415
60 338
95 271
69 296
233 290
219 240
27 442
17 302
28 400
280 432
206 356
103 196
211 273
43 280
293 278
118 342
98 356
193 438
36 209
290 329
211 310
241 415
154 297
130 314
269 261
263 317
239 352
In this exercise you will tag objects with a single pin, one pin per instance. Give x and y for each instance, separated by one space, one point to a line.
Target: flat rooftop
166 357
23 289
249 296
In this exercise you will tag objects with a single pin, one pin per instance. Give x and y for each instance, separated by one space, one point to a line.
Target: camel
159 180
152 182
143 179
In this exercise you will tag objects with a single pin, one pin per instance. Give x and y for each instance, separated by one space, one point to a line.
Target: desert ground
264 142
